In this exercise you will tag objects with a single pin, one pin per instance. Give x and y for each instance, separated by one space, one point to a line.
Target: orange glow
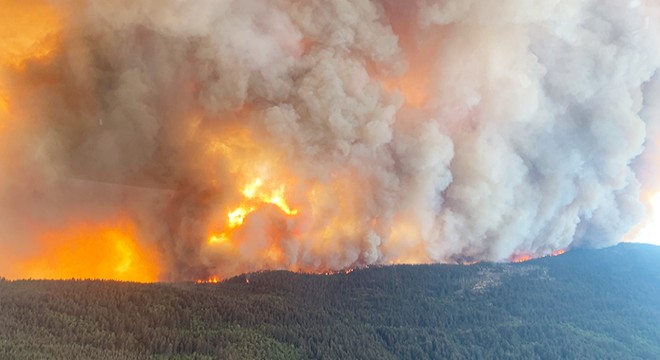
274 253
211 280
244 157
253 196
344 271
98 251
219 239
413 87
558 252
4 111
265 179
649 230
399 243
526 257
4 105
236 217
274 196
29 30
520 258
421 49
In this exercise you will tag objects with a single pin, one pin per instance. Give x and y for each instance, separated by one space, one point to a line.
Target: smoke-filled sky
176 140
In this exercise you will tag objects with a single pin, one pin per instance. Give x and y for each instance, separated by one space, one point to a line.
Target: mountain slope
588 304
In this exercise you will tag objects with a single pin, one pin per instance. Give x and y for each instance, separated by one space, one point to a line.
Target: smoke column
175 140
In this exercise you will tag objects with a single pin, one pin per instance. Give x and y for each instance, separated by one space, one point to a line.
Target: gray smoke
416 131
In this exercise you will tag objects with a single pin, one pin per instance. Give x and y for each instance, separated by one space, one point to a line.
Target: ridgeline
585 304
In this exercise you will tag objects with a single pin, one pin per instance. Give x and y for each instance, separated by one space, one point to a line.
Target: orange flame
98 251
260 181
338 272
211 280
254 195
518 258
558 252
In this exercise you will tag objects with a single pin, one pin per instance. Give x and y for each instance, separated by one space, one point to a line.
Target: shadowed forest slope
587 304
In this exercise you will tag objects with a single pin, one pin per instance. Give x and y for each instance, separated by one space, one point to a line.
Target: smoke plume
234 136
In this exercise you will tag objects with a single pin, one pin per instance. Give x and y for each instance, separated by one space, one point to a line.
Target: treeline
585 304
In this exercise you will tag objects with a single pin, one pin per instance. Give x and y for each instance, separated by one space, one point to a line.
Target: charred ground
588 304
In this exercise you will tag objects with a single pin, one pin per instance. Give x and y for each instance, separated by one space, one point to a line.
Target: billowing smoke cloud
319 135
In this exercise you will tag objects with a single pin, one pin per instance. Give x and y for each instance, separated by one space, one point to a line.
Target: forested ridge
585 304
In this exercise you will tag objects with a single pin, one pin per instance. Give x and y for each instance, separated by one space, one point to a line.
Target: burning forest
165 140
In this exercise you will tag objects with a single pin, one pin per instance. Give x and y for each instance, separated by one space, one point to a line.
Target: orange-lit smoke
253 135
92 251
28 33
259 184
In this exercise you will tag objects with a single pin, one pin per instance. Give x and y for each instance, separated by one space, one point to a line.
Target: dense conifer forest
585 304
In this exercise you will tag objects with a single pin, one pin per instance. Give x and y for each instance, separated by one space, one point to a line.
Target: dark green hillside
586 304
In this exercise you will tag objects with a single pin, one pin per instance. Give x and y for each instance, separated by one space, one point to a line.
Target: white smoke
445 130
